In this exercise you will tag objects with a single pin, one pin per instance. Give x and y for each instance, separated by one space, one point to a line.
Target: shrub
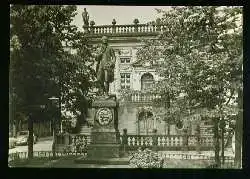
146 159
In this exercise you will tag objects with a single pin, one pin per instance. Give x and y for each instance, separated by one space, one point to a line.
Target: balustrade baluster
181 140
163 141
148 28
137 141
142 28
166 141
151 141
133 141
146 141
171 141
141 139
154 28
159 141
130 29
138 28
129 140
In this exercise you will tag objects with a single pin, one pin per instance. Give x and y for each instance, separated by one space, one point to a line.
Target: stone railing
124 29
40 154
72 143
79 143
136 97
170 142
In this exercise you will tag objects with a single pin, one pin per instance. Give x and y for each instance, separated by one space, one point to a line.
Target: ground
68 162
44 144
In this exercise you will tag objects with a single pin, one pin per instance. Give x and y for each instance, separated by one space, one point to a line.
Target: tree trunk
14 129
222 145
30 138
239 133
217 142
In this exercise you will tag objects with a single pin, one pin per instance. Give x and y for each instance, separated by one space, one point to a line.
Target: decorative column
136 22
158 22
114 27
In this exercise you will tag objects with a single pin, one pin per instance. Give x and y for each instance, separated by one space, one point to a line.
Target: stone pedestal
105 141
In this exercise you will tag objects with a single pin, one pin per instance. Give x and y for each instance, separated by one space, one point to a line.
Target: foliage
41 64
146 159
198 56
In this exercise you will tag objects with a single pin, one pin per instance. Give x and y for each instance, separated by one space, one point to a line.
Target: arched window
147 80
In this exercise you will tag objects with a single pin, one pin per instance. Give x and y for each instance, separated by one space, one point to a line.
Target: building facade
137 112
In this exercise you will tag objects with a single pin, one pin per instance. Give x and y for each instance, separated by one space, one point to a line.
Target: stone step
85 130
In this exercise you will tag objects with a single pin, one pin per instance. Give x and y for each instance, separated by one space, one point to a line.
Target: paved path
45 145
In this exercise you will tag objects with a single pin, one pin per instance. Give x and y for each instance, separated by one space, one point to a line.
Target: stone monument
105 137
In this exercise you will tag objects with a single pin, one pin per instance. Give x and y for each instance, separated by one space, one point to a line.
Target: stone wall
127 119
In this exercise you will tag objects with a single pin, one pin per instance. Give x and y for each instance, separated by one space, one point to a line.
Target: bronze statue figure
105 66
85 17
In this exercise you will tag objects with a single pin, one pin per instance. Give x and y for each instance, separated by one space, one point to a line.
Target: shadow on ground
68 162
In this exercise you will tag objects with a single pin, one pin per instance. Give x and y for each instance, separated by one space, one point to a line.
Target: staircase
85 130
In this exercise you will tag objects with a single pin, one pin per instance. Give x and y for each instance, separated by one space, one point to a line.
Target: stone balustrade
143 97
176 142
162 142
124 29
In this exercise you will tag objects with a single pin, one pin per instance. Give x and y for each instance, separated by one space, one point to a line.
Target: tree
40 66
198 55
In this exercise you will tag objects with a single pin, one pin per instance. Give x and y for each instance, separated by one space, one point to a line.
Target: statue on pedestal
105 66
85 17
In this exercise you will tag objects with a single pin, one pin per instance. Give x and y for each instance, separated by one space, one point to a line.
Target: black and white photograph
108 86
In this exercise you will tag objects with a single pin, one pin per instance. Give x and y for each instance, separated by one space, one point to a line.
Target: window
146 123
125 60
125 81
147 80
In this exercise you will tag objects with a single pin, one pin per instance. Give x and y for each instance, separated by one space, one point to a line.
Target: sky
103 15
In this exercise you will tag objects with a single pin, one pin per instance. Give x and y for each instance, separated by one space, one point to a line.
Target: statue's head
84 9
104 39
